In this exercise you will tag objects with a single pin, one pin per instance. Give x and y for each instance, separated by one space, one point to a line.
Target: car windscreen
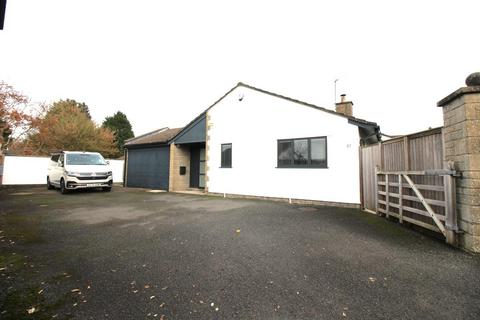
85 159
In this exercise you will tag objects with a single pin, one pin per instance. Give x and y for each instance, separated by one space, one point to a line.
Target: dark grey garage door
148 167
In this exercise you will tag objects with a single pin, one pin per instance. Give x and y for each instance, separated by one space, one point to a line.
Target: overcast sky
164 62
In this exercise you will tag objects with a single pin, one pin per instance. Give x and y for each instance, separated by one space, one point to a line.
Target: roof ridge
311 105
147 134
308 104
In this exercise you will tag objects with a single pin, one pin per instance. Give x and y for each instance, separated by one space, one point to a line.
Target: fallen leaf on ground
162 304
40 292
152 297
31 310
75 290
238 231
164 288
372 279
146 286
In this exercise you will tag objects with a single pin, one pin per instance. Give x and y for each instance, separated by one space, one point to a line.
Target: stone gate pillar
461 118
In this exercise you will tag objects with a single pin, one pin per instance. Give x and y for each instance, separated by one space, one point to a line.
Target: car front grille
89 174
92 178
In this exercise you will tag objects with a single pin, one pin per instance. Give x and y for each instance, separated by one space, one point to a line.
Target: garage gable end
193 133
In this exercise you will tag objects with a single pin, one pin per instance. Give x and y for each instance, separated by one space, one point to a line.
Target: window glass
285 153
55 158
318 151
227 155
85 159
303 152
300 152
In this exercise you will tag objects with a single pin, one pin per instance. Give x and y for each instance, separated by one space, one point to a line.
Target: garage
147 159
148 168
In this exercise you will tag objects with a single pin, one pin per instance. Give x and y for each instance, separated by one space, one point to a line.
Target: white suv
70 170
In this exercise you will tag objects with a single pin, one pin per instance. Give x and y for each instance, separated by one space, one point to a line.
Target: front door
197 167
194 167
201 178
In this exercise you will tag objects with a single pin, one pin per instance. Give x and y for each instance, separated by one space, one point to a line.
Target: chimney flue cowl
343 97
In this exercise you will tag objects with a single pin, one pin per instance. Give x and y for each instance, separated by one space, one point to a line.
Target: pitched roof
351 119
166 135
354 119
162 135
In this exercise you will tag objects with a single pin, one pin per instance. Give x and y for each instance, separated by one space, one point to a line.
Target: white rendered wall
117 170
33 170
254 125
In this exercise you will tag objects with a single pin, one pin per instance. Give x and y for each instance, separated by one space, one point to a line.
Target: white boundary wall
253 126
33 170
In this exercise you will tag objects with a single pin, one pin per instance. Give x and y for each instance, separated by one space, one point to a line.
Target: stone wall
179 156
208 125
461 114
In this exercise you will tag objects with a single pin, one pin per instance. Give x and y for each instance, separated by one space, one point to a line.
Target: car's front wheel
63 188
49 185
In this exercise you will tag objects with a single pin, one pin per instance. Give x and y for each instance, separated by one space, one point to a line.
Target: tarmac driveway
131 254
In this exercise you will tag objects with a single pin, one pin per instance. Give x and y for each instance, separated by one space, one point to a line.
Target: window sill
225 167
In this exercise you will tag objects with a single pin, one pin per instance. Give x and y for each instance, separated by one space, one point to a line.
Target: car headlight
109 173
72 174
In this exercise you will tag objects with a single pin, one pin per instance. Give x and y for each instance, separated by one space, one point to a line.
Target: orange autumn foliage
67 128
15 115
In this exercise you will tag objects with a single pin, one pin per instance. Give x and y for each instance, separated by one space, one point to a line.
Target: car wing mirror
108 162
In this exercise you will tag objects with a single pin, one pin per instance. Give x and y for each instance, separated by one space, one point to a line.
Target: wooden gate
431 206
407 178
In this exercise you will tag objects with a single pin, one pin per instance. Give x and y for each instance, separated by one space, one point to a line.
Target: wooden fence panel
370 158
392 154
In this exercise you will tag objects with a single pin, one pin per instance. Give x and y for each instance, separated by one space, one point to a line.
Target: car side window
60 161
